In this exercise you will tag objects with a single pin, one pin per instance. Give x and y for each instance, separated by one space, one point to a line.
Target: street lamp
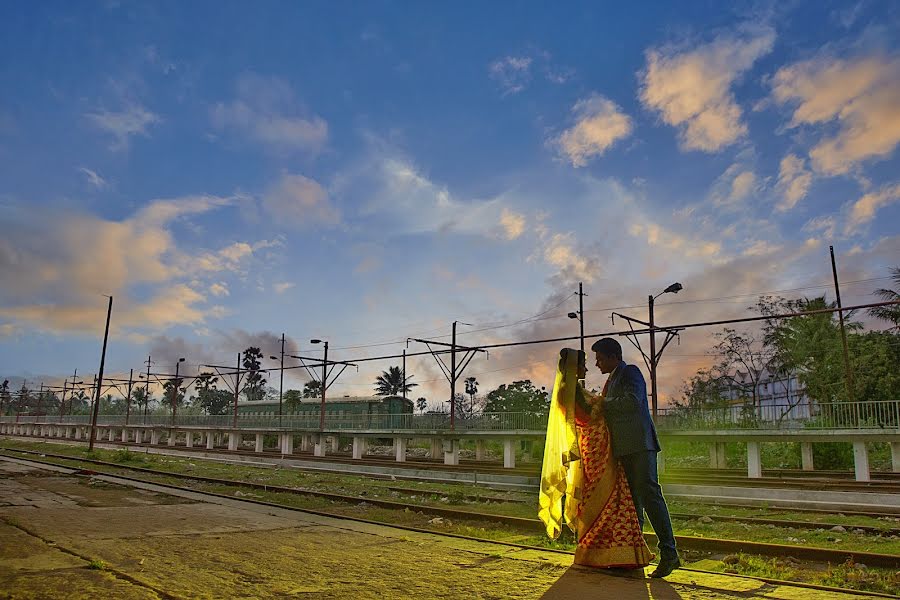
323 382
672 289
281 384
580 314
175 389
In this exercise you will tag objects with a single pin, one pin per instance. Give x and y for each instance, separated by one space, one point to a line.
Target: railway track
325 465
701 544
782 479
789 473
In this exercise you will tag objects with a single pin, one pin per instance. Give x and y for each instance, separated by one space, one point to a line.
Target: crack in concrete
114 572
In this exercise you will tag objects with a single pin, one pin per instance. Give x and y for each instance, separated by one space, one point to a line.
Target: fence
840 415
403 422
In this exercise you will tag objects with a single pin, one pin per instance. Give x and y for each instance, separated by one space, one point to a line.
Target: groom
634 444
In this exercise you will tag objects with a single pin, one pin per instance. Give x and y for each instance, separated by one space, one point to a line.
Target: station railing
842 415
517 421
839 415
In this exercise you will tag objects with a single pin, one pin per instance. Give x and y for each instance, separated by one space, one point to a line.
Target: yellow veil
561 471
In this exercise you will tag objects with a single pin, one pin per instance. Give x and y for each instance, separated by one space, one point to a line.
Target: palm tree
390 383
889 313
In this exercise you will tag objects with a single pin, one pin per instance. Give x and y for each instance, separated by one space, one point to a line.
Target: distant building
777 395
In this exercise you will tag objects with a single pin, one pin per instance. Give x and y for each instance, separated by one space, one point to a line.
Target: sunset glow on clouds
369 175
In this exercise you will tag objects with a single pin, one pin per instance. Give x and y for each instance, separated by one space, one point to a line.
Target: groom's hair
608 346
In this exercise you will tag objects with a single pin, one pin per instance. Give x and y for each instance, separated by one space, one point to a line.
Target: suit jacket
627 412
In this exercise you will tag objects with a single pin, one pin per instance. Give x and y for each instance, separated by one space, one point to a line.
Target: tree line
807 349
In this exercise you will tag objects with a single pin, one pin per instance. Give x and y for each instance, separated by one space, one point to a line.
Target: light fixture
673 289
573 315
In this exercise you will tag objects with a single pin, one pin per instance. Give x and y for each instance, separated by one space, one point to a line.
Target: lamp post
580 315
281 383
323 382
672 289
175 389
100 378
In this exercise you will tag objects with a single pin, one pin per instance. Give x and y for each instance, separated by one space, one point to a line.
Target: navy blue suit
634 443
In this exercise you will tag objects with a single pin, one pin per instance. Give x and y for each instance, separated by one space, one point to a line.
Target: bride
579 464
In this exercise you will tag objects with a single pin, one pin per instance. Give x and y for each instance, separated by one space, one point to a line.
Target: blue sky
365 172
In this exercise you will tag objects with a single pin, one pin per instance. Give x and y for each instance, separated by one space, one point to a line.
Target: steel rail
686 542
781 483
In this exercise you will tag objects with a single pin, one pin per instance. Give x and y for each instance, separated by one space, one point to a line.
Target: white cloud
863 210
599 124
94 178
760 248
513 224
133 120
282 286
267 112
230 258
659 236
691 90
9 330
793 182
219 289
823 224
736 184
300 201
512 73
400 199
560 252
862 95
58 269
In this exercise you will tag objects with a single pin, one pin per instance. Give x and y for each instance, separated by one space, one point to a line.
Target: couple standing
600 453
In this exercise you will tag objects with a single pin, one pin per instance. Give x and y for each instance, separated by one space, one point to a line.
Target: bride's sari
578 463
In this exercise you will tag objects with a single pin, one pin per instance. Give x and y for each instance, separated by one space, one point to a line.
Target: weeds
97 564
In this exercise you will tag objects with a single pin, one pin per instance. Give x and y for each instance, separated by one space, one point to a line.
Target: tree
255 383
391 383
519 396
312 389
421 404
744 360
293 398
141 398
24 399
216 402
703 390
213 401
173 392
48 403
111 405
889 313
78 402
810 345
5 397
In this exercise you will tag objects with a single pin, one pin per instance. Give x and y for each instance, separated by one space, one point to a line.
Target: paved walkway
79 537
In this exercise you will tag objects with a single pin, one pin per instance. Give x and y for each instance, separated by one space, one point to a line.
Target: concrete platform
150 542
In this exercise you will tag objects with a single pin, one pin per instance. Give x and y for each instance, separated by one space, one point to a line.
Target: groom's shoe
665 567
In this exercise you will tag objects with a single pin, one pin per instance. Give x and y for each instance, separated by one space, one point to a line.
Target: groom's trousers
640 470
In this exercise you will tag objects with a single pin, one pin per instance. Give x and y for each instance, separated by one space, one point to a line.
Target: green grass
848 575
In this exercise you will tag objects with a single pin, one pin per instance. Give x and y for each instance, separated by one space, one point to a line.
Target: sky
364 173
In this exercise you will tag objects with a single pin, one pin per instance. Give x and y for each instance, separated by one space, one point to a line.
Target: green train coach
352 412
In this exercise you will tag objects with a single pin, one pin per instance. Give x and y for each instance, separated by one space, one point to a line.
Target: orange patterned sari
578 462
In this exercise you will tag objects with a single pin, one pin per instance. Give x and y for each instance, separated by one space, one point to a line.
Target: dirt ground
67 536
